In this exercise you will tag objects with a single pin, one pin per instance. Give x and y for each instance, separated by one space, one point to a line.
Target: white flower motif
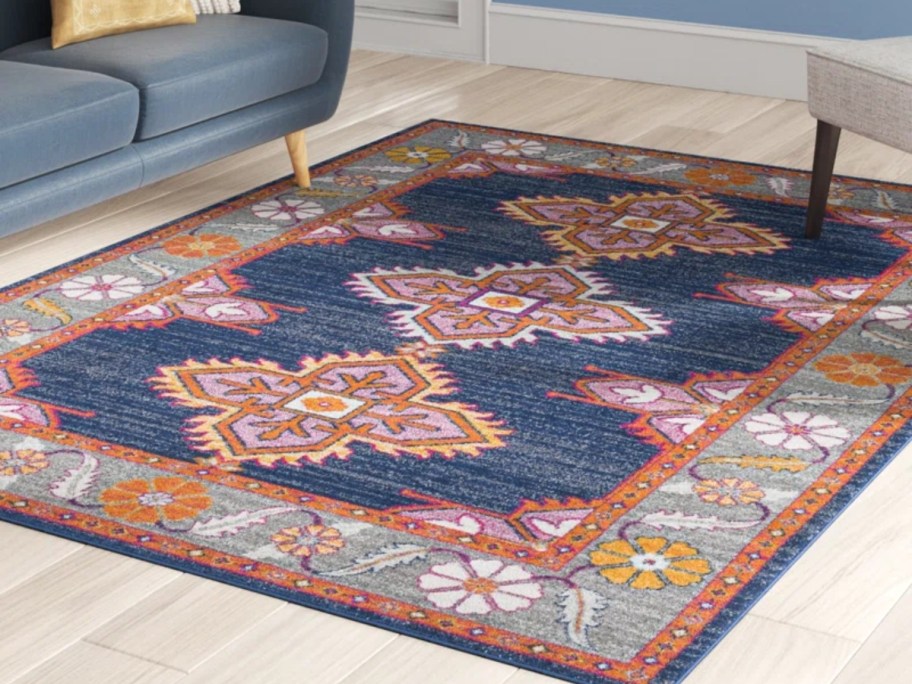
514 147
290 209
479 587
797 430
895 316
95 288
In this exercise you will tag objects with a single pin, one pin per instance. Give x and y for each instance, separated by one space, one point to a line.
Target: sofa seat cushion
187 74
54 118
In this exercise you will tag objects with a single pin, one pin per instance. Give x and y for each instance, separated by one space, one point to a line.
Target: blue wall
837 18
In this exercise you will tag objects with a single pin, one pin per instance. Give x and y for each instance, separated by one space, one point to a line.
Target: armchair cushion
69 116
192 73
865 87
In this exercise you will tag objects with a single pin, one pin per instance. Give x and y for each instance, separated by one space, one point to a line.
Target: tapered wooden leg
297 150
824 160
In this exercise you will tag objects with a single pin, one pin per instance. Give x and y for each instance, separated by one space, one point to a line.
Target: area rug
566 405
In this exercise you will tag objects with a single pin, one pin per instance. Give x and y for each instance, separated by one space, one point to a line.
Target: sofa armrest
336 17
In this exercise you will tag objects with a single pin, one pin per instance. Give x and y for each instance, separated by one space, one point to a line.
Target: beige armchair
864 87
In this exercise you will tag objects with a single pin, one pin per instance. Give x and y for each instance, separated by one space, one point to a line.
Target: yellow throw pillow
79 20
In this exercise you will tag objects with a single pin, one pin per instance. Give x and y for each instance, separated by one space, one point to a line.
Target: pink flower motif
479 586
289 209
896 316
515 147
96 288
797 430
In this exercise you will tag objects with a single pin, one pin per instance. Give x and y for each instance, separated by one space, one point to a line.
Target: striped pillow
217 6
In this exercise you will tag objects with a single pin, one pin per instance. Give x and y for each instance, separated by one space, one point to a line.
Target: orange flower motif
324 404
504 301
649 563
729 491
640 224
198 246
151 501
720 176
305 542
14 327
864 369
22 462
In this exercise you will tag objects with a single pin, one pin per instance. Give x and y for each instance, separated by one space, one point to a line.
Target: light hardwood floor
71 613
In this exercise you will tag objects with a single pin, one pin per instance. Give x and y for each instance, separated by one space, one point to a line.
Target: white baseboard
413 33
668 52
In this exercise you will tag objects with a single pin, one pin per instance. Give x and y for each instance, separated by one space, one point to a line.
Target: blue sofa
93 120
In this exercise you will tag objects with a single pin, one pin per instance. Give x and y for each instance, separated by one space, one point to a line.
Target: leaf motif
677 520
816 398
320 192
153 267
884 201
76 482
350 528
229 525
248 227
888 340
780 186
659 169
581 609
460 140
46 307
266 552
775 463
389 556
565 155
384 169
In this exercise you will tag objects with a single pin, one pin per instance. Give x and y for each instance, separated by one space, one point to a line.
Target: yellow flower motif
357 180
841 192
729 491
419 154
615 162
649 563
22 462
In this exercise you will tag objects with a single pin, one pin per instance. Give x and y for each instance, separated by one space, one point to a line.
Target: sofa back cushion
22 21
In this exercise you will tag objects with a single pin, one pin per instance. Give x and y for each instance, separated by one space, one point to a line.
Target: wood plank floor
74 614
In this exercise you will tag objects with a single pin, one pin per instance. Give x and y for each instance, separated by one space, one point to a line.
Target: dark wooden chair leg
824 160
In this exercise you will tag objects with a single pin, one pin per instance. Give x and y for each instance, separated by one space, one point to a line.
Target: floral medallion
643 225
268 414
503 305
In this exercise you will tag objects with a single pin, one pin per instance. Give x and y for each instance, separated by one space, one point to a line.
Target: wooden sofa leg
824 160
297 150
